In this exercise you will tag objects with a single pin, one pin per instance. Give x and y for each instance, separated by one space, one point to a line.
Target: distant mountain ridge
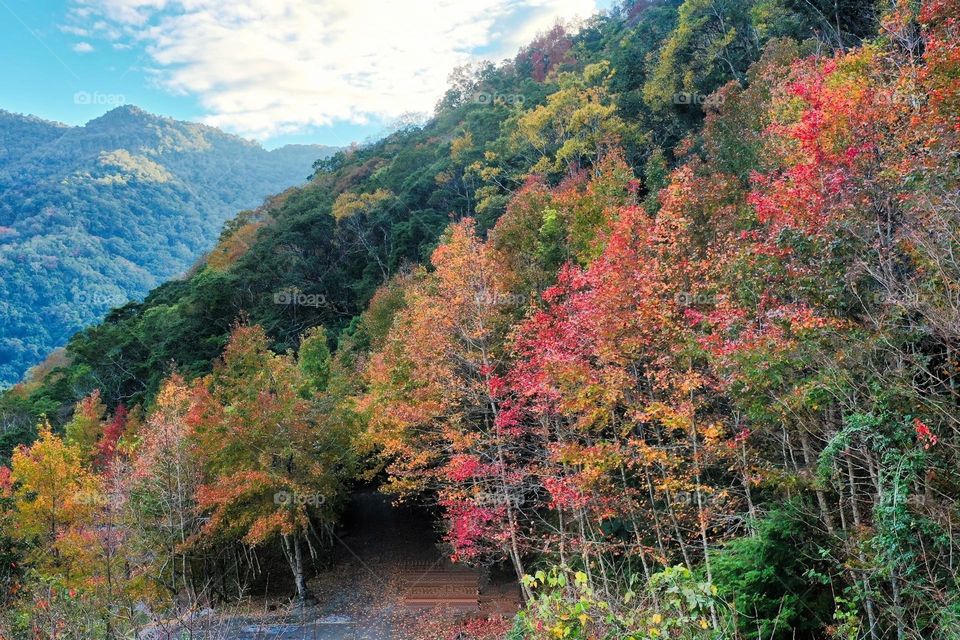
92 216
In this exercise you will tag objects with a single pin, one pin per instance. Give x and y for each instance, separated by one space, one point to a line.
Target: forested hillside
659 316
94 216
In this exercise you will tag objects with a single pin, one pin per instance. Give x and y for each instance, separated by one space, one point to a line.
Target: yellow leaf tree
55 498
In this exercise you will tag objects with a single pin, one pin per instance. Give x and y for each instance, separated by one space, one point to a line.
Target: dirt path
387 575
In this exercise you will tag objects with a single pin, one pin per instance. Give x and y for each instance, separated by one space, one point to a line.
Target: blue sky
280 71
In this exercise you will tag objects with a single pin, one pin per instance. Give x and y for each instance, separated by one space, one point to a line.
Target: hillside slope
93 216
672 339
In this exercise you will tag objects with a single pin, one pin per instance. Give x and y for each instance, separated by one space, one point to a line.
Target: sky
278 71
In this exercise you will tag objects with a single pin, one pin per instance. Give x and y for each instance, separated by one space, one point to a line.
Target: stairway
440 585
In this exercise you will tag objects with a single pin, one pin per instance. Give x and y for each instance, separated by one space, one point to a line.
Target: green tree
270 469
314 358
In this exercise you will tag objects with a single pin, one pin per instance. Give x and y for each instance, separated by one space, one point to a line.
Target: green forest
659 317
94 216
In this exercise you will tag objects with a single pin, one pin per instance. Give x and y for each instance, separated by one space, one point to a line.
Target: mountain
93 216
658 316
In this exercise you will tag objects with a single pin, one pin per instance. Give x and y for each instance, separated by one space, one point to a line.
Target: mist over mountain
95 215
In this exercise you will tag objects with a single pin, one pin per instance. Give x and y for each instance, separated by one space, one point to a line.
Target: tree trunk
858 523
808 460
291 548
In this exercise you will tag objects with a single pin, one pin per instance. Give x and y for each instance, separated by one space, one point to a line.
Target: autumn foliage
691 388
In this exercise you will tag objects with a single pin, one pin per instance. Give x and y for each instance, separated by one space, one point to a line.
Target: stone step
426 585
438 590
440 579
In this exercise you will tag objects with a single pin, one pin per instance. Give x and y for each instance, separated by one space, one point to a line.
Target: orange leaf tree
271 467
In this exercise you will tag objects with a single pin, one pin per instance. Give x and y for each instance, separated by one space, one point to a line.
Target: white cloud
263 67
124 11
74 30
83 47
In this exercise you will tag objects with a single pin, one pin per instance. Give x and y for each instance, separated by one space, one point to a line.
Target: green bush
773 579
